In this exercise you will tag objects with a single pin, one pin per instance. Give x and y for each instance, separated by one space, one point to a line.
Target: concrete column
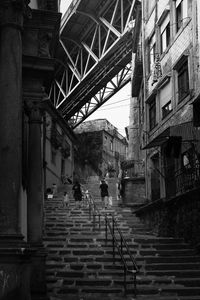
35 180
11 18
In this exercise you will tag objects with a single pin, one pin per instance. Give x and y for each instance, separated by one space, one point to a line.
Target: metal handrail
125 244
185 178
94 211
120 248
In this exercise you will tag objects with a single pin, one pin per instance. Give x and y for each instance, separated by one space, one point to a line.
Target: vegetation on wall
89 151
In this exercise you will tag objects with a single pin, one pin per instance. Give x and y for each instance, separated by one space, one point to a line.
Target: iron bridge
93 59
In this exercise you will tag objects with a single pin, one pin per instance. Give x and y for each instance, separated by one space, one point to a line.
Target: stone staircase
80 265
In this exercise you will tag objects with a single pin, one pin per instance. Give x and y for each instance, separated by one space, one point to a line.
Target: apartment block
168 110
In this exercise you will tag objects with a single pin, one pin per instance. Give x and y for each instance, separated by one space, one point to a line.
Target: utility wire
125 99
100 109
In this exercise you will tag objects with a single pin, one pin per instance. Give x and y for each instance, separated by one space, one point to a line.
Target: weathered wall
53 168
88 154
94 125
182 42
134 191
178 217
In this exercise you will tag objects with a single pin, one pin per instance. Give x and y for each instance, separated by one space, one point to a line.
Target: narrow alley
58 67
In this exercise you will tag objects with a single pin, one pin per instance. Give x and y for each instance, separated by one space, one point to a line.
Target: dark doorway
155 178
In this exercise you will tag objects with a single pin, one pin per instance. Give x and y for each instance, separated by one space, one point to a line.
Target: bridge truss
97 39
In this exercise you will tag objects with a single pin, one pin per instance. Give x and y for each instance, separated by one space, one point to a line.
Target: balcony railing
185 179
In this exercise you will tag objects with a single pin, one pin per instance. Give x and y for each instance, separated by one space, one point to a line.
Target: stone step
100 296
150 240
178 252
89 251
141 289
160 297
176 273
89 290
173 266
152 274
109 261
80 262
169 259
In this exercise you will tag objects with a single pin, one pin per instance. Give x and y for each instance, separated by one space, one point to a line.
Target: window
183 81
152 114
152 52
111 145
165 94
165 34
181 13
166 109
179 16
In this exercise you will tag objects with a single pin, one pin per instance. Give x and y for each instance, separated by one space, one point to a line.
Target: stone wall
177 217
134 191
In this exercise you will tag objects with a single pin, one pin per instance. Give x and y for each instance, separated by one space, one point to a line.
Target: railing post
135 286
94 217
99 221
89 210
113 239
124 280
106 228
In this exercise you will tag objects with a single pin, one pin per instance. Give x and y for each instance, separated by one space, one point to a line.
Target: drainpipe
144 92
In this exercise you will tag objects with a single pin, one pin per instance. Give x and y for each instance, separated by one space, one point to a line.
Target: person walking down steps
77 193
104 193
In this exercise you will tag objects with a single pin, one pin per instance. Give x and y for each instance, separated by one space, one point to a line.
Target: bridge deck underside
93 59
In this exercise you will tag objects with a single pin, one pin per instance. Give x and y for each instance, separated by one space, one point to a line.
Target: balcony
184 180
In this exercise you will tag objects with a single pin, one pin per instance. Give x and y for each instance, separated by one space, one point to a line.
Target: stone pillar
14 253
11 18
39 37
35 176
35 193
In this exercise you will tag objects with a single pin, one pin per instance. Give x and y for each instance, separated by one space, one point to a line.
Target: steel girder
94 63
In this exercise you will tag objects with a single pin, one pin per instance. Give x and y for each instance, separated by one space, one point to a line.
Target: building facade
171 85
58 145
29 35
168 101
104 150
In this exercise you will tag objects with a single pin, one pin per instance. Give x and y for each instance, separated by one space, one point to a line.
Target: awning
159 139
186 130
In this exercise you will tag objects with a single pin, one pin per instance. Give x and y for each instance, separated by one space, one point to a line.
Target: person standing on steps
77 193
54 189
104 193
65 200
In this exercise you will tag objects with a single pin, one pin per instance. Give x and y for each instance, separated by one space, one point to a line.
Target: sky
115 110
64 5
